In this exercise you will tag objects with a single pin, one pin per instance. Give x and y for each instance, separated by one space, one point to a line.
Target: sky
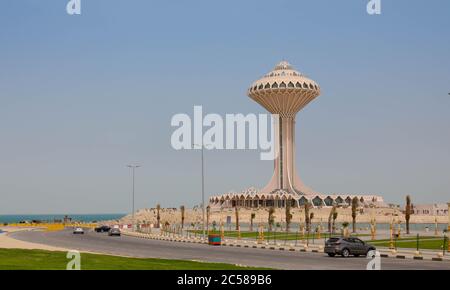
82 96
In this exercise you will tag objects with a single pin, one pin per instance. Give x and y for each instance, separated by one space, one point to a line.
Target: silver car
347 246
78 231
114 232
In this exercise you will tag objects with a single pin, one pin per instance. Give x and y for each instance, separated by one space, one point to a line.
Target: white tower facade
284 92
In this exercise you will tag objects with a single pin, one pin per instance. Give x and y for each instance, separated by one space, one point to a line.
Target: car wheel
345 253
331 254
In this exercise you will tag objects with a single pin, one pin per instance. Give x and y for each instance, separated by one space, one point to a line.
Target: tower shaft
285 174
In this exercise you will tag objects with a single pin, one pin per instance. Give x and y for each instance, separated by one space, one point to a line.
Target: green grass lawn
410 239
17 259
426 244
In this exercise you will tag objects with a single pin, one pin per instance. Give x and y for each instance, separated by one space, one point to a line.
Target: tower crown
284 90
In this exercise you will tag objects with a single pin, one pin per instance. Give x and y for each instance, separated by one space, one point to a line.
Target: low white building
435 209
252 198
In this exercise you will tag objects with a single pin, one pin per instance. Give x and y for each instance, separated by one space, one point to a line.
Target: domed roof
285 73
284 80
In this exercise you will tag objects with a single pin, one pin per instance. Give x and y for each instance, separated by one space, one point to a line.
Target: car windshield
333 240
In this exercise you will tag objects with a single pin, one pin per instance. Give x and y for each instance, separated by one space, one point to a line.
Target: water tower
284 91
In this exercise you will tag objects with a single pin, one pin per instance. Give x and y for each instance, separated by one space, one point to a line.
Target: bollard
417 244
443 246
391 228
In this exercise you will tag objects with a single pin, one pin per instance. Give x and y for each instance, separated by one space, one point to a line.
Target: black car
102 229
347 246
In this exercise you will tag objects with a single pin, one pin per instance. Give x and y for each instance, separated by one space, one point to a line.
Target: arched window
302 201
328 201
282 85
311 86
348 200
290 84
261 86
298 85
274 85
305 85
317 201
267 86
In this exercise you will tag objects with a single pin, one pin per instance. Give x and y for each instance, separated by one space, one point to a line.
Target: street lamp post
133 168
202 146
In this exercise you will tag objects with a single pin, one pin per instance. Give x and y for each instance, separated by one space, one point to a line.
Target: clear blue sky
81 96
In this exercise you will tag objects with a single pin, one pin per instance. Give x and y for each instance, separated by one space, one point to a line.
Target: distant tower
284 91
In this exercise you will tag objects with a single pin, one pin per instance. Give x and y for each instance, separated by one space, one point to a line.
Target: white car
77 231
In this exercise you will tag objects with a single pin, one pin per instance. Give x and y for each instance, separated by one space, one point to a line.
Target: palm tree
335 215
311 216
355 203
252 217
208 213
288 214
182 209
158 217
307 217
330 217
408 213
236 212
271 218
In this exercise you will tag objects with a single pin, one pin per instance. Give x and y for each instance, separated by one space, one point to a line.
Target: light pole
133 168
202 146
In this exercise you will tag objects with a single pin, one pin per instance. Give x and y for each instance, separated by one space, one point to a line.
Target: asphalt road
144 248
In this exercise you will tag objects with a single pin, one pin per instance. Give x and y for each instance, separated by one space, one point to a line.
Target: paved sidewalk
6 242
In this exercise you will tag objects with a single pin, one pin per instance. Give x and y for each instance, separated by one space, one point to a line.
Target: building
448 212
252 198
435 209
284 92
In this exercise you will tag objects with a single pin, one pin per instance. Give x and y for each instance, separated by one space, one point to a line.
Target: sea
52 217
